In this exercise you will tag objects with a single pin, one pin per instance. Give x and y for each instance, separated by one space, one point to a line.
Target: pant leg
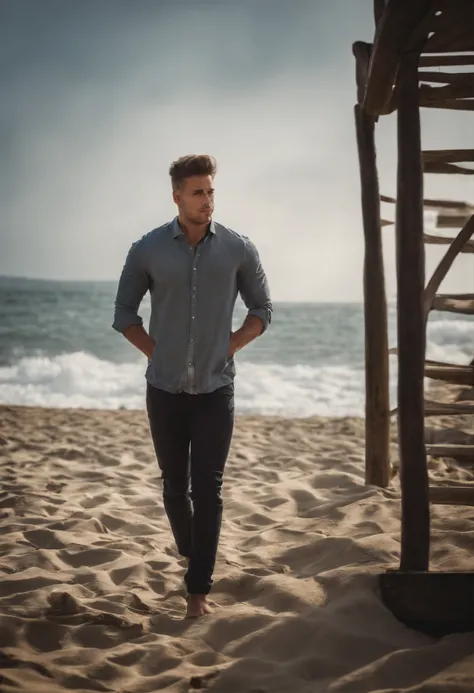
212 422
168 416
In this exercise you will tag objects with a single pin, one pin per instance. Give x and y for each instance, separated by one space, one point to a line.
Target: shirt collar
176 231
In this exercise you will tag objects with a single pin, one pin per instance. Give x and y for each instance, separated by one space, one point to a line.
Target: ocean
58 349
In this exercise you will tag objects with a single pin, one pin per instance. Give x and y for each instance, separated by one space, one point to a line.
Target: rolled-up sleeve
133 285
253 285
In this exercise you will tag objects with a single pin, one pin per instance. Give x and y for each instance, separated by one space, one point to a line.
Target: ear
176 196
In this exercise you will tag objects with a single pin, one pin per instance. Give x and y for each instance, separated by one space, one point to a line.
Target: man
194 268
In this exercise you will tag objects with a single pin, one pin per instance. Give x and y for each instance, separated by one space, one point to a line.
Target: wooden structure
412 62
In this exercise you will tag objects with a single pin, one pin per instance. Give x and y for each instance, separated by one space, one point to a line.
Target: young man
194 268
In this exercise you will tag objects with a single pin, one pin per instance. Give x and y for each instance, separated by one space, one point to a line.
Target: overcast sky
99 96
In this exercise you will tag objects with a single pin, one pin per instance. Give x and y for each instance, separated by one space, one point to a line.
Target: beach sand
91 594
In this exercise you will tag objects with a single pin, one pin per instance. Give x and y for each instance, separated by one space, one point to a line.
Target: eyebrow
202 190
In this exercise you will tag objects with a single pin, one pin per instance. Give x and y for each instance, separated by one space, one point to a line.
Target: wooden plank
455 205
445 264
433 408
410 262
441 167
452 303
453 29
444 408
429 95
394 29
448 155
457 452
457 375
452 104
434 603
379 9
451 221
377 402
361 52
468 247
452 495
445 60
447 77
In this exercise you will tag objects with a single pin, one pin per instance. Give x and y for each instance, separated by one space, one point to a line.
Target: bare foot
197 606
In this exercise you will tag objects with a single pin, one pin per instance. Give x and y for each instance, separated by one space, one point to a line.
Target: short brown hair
191 165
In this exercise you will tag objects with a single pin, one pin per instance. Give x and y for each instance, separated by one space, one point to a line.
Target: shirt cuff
121 322
263 314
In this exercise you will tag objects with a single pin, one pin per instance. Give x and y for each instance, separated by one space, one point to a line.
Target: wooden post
415 544
377 400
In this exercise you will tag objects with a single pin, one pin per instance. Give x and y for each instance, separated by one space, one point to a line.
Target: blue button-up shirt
193 293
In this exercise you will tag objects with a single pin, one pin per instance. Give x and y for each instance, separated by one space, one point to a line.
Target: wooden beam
444 408
452 29
435 603
468 247
452 495
441 167
463 304
377 400
457 375
379 9
451 221
456 452
361 51
448 155
430 96
445 264
394 30
410 262
445 60
448 408
447 77
455 205
452 104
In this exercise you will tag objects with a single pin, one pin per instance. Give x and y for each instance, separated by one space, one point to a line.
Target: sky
100 96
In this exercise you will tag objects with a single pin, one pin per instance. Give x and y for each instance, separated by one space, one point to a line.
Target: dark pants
191 435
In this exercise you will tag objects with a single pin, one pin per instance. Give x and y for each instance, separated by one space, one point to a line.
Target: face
195 199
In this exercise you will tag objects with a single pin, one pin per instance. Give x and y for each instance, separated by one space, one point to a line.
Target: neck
193 232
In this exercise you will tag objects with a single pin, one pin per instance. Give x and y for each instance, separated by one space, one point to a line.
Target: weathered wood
451 221
377 402
361 52
455 205
448 408
445 60
457 375
462 304
457 452
452 495
453 29
429 95
448 77
435 603
410 262
441 167
468 247
444 408
452 104
448 155
394 29
379 9
445 264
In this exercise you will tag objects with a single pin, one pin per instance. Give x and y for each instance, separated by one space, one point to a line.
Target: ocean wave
81 379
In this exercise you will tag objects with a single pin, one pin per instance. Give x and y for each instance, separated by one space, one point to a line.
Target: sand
91 594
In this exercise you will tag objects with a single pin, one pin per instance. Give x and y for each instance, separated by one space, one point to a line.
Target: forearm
252 327
139 337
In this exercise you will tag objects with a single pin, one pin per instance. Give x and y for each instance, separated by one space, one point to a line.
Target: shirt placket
191 372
